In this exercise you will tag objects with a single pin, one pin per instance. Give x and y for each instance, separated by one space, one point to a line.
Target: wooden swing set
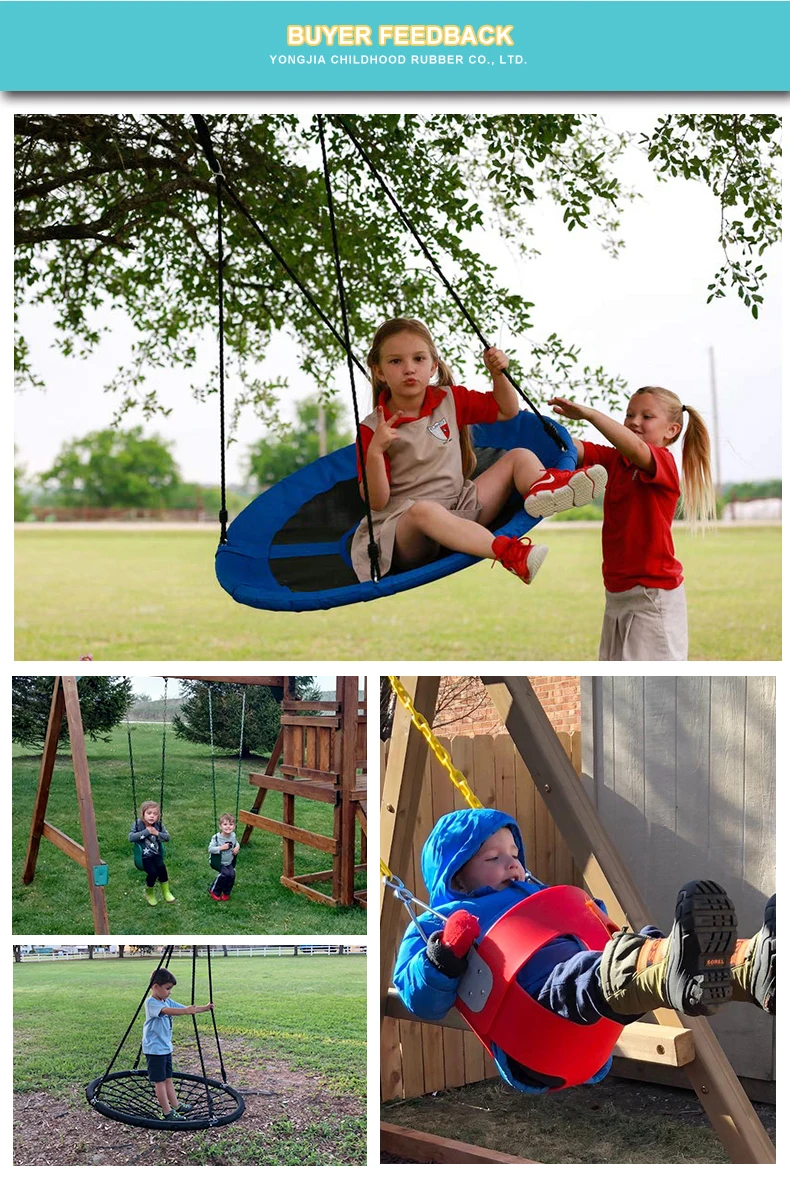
689 1044
324 759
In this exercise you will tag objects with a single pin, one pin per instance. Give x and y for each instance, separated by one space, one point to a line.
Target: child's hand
448 950
151 830
495 361
385 433
236 850
569 409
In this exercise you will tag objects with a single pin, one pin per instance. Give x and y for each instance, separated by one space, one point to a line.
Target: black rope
204 138
131 769
223 510
197 1036
213 767
238 774
548 426
373 548
164 745
134 1017
213 1017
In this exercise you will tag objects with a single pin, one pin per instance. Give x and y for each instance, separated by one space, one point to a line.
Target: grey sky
642 316
153 686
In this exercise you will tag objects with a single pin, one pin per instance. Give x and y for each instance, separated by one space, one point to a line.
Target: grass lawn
293 1033
58 902
152 595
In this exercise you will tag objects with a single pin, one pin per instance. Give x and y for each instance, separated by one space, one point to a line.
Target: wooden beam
606 876
323 843
330 776
90 838
295 884
430 1148
46 768
265 681
311 722
400 797
313 706
302 787
348 695
261 794
74 850
638 1041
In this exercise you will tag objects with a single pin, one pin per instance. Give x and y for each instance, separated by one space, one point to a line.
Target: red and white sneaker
556 491
520 556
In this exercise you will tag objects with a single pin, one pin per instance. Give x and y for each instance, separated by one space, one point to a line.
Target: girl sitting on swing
149 833
419 461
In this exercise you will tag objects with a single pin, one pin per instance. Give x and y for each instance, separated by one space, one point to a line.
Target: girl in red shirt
645 615
419 461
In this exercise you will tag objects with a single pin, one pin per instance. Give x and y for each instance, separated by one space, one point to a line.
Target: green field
152 595
293 1032
57 901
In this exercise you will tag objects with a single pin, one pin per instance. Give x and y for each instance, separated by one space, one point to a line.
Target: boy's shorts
159 1067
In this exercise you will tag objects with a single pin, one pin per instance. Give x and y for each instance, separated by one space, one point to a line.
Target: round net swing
128 1096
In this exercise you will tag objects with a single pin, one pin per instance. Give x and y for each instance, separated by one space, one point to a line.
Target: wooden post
400 799
90 838
271 766
606 875
56 710
348 696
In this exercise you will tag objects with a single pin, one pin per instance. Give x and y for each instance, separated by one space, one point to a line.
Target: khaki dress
425 463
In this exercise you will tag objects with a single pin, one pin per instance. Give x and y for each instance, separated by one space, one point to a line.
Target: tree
21 497
261 716
278 455
113 469
118 210
104 701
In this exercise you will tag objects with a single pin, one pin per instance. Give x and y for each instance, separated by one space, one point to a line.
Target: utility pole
715 423
321 429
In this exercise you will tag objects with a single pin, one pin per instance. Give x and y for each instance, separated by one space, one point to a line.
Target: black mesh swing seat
129 1097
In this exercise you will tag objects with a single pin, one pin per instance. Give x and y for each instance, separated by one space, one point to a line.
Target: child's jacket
151 845
219 840
427 992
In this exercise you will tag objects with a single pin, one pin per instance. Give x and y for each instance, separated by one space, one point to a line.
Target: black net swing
128 1095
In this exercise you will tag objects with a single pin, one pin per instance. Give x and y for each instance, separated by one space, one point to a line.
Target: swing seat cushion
139 862
543 1042
289 548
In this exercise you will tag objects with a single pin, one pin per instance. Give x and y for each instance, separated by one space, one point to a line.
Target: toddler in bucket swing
223 850
419 461
158 1042
474 868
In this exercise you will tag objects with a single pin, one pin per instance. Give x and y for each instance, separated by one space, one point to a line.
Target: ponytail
699 496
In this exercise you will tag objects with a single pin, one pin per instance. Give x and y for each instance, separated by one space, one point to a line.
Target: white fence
80 953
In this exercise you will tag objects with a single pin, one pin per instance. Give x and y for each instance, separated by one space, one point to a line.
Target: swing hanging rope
548 426
213 758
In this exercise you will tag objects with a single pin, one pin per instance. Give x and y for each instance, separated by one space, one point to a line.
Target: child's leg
163 1095
426 519
228 879
517 469
170 1089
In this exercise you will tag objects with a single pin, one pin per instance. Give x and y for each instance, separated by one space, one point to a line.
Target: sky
642 316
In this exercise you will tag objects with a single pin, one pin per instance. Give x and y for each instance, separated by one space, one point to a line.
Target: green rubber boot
150 896
688 971
753 965
166 893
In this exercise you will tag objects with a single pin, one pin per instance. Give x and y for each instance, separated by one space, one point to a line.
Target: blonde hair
699 495
150 806
230 818
443 375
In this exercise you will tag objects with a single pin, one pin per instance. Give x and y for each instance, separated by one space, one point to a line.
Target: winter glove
448 949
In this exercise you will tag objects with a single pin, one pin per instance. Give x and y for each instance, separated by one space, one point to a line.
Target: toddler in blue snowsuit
473 861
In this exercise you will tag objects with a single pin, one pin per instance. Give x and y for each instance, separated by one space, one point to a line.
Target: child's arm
216 843
503 392
136 836
629 444
163 834
375 466
186 1010
427 977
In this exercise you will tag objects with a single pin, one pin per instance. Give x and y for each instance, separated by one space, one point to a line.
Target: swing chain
409 900
440 753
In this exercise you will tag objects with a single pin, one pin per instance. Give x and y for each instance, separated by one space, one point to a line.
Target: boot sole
698 978
764 982
582 488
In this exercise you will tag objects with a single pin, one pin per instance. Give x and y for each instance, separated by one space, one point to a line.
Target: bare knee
421 511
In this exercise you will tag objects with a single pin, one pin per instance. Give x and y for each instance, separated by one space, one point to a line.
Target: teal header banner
560 46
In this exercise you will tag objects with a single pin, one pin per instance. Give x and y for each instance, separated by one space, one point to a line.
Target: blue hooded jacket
427 992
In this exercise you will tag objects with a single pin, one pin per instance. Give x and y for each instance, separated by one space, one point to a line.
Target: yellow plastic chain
440 753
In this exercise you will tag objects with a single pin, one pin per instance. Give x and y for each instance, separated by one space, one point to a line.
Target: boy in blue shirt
474 869
158 1042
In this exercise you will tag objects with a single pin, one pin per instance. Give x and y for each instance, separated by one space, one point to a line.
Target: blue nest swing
290 548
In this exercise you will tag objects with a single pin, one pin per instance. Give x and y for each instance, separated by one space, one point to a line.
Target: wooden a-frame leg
262 791
44 780
90 838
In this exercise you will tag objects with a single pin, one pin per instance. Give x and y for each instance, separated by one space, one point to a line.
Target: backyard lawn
57 900
152 595
292 1032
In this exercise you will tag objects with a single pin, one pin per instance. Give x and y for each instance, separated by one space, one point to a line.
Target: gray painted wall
682 770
